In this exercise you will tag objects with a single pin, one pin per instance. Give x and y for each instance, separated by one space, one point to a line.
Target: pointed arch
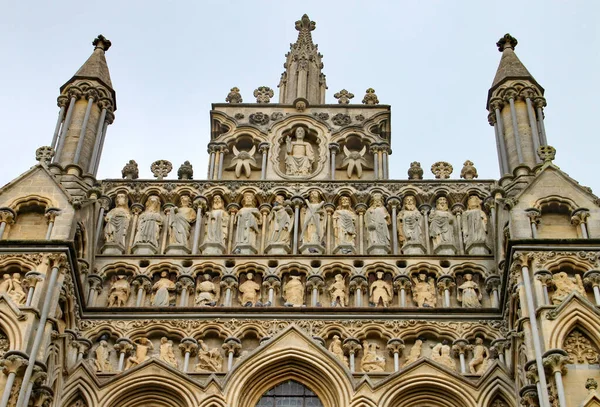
575 313
147 389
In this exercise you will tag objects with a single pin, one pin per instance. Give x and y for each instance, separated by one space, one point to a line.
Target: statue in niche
424 291
207 293
142 348
119 291
481 355
116 226
371 360
354 161
166 353
149 227
441 354
336 348
415 352
102 360
293 292
249 291
474 227
564 286
337 292
281 222
243 162
180 226
313 224
344 227
209 360
216 228
248 220
377 220
13 287
6 284
381 291
410 230
441 228
161 291
468 293
299 154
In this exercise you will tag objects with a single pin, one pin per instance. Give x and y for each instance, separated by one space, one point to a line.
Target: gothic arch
149 388
572 316
9 316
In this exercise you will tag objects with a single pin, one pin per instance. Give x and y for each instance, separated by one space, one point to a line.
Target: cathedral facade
296 272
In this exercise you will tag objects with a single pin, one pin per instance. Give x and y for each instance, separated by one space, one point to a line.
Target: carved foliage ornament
234 96
343 97
341 119
580 348
259 118
44 154
441 170
161 169
546 153
370 97
468 170
186 171
415 171
263 94
130 170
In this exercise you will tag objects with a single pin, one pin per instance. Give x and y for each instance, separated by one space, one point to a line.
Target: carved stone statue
119 292
215 228
424 291
299 154
248 220
564 286
6 284
209 360
481 355
149 226
281 222
380 292
415 352
166 353
468 293
474 227
13 288
410 229
161 290
180 226
249 291
243 162
102 360
293 292
116 226
335 347
441 228
354 161
313 224
338 292
371 360
142 348
207 293
344 227
441 354
377 220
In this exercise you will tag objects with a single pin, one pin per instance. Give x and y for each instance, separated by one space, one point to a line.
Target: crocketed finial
102 43
508 41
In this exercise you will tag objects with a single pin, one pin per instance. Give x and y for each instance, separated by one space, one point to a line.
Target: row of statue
416 230
380 291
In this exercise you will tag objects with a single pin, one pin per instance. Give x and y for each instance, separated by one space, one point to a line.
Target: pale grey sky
432 61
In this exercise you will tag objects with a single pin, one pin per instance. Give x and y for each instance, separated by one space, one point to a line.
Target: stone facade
297 272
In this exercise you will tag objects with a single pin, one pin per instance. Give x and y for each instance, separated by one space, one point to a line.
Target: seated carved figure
564 286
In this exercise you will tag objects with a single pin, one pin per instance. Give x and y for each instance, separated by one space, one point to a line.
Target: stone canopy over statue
300 155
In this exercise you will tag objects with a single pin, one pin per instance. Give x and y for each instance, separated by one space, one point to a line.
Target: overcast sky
432 61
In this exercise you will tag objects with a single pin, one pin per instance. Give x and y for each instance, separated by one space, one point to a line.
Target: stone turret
302 77
87 103
515 103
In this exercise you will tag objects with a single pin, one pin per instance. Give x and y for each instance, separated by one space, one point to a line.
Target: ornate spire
304 27
95 67
510 66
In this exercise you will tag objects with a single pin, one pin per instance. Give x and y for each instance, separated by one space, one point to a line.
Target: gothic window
289 394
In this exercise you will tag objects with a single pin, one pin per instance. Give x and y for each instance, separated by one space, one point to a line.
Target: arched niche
244 160
354 159
30 221
581 348
555 222
289 394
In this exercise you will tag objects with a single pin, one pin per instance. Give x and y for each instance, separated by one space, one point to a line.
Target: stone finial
468 170
343 97
161 169
102 43
508 41
186 171
591 384
234 96
546 153
130 170
441 170
370 97
44 154
263 94
415 171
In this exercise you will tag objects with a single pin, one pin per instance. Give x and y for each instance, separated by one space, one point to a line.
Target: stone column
540 103
124 346
228 283
30 282
351 347
374 150
579 218
216 161
334 148
38 378
543 277
395 346
272 283
51 214
136 210
222 151
592 279
232 348
499 143
62 102
394 203
444 284
211 160
95 284
457 210
460 347
184 285
535 135
297 201
264 211
168 210
361 208
531 374
104 105
510 98
425 208
499 346
385 151
555 361
402 285
142 284
104 206
529 396
329 238
492 283
83 346
91 95
74 94
315 284
12 364
200 203
263 148
535 217
233 208
7 216
188 347
358 284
